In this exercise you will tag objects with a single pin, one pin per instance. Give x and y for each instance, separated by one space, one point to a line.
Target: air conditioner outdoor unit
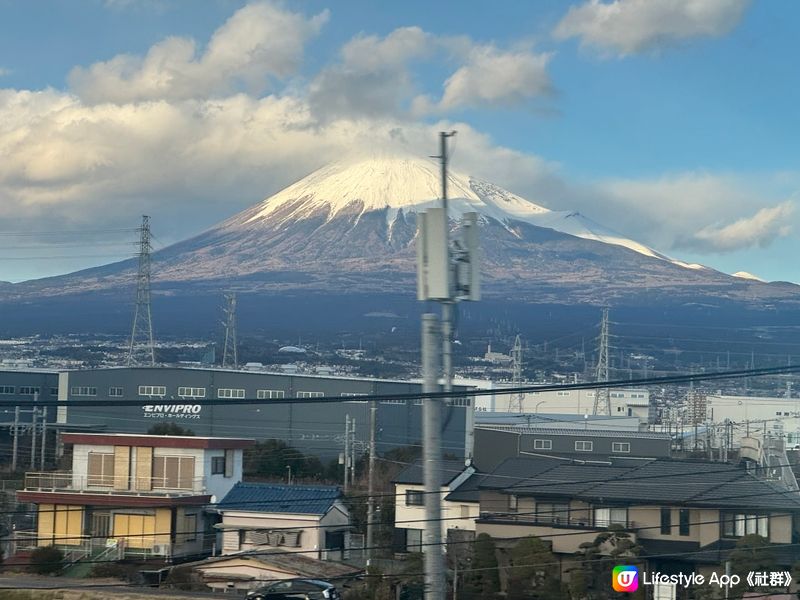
160 549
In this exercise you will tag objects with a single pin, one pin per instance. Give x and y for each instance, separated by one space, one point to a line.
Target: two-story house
458 512
685 515
141 494
311 520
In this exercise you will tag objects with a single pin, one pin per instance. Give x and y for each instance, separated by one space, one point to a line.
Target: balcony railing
568 520
66 481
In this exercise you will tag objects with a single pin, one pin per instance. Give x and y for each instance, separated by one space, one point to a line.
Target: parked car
296 589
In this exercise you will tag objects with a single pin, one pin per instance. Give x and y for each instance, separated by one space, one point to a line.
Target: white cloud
372 77
491 78
761 230
259 42
631 26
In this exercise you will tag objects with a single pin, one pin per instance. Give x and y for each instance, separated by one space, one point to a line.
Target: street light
536 408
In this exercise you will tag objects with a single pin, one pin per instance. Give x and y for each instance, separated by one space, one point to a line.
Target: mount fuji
350 227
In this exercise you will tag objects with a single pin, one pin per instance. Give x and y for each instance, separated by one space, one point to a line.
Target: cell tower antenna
142 349
518 400
230 357
602 399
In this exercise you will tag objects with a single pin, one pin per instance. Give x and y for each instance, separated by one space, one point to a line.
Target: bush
115 570
46 560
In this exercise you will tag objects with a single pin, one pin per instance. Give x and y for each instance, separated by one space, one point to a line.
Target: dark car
296 589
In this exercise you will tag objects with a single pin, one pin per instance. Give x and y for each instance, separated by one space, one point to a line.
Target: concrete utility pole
34 414
373 411
346 451
352 451
44 437
448 305
432 449
15 446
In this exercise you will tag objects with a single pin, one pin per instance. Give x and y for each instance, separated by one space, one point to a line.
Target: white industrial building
756 414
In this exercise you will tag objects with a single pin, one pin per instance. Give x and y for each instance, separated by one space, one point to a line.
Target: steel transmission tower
517 400
229 354
142 348
602 400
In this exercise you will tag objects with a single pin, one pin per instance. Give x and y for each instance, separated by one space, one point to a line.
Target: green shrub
46 560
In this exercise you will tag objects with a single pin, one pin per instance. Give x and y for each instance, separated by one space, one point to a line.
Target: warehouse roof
577 432
280 498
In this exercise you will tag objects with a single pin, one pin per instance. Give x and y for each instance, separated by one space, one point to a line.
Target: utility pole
15 445
445 275
602 400
229 354
432 449
44 436
373 410
142 348
352 451
346 451
518 400
34 414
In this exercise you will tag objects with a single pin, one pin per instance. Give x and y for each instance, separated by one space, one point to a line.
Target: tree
483 579
46 560
591 580
533 572
169 429
271 459
752 553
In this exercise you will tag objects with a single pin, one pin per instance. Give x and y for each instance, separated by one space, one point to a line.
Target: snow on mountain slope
412 185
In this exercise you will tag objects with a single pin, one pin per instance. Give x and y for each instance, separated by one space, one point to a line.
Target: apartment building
141 495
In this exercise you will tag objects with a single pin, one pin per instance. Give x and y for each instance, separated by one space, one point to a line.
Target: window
173 472
547 512
513 503
7 389
620 446
542 444
413 540
353 395
191 392
738 525
100 472
217 465
115 392
230 393
666 521
460 401
152 390
584 446
54 391
189 528
396 401
310 394
270 394
26 390
683 521
610 515
562 393
414 498
83 390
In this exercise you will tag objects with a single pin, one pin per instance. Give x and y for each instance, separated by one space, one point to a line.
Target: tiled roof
279 498
691 483
414 474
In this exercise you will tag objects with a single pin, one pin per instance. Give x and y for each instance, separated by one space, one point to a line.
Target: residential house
303 519
138 494
409 518
245 571
686 515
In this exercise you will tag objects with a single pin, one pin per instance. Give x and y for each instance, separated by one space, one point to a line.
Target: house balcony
569 521
66 481
99 549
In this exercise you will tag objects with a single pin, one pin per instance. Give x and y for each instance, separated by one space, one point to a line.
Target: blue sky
671 121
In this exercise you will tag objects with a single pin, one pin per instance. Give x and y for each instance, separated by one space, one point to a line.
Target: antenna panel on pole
432 259
468 268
